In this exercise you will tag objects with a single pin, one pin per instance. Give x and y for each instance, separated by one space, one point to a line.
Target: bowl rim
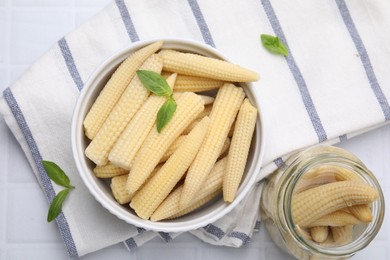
112 206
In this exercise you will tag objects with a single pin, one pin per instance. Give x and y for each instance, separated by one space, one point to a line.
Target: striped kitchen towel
333 85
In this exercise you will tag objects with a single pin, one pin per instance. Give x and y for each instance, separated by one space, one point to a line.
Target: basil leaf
56 205
273 44
154 82
165 113
56 174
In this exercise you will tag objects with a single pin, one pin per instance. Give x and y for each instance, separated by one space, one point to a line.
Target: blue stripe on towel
279 162
214 230
67 54
364 58
241 236
307 100
257 226
127 20
45 181
131 244
343 138
204 29
140 230
165 236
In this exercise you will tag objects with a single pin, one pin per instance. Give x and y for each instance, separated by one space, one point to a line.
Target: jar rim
296 167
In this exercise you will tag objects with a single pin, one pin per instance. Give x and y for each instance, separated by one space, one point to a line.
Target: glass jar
306 171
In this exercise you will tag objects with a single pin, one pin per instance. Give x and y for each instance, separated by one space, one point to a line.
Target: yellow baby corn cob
114 89
189 105
225 147
339 173
169 208
304 233
197 65
324 174
128 144
342 235
225 108
329 242
361 212
196 84
319 233
118 187
206 112
239 149
128 104
314 203
334 219
207 100
173 148
148 198
181 138
109 170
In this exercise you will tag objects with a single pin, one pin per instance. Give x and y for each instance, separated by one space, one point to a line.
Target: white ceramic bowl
100 189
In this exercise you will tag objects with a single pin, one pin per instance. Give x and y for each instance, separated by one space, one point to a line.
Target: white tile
4 137
40 3
2 216
118 250
373 252
20 172
3 2
168 251
231 253
85 15
4 79
26 216
273 252
34 32
32 252
16 73
100 3
3 45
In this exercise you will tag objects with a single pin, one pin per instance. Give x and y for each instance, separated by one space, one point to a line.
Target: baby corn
157 189
173 148
169 208
239 149
114 88
225 108
109 170
197 65
118 187
335 219
196 84
189 105
319 233
128 104
361 212
125 149
342 235
312 204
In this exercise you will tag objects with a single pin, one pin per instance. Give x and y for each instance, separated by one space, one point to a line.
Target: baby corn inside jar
323 203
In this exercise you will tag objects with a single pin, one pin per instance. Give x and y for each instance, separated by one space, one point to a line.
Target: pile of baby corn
200 153
328 202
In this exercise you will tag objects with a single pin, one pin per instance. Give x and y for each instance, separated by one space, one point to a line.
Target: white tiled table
27 29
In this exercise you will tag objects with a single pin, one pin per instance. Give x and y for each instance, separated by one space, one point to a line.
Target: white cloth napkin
333 85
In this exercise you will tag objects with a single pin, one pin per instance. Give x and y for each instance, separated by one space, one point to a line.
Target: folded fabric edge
16 122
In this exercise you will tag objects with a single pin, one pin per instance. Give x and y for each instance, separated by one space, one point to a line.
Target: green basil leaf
273 44
165 113
56 205
56 174
154 82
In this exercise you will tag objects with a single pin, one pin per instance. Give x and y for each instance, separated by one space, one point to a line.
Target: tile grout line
7 58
